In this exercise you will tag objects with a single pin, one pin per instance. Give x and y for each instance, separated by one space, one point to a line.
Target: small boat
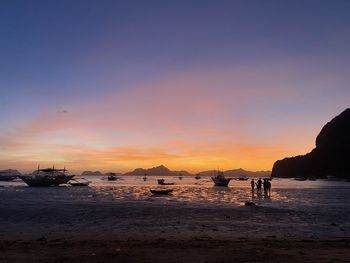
332 178
312 178
197 177
161 191
300 178
9 175
79 182
112 177
145 177
47 177
221 180
180 177
162 182
243 178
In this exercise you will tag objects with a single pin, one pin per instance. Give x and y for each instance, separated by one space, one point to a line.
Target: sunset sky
195 85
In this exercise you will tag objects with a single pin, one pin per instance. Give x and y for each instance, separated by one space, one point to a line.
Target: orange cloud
192 121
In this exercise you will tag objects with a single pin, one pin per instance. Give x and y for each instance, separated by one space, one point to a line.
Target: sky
194 85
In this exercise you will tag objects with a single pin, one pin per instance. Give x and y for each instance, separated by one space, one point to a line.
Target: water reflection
187 190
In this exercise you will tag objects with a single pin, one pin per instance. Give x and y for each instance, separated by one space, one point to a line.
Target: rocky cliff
330 157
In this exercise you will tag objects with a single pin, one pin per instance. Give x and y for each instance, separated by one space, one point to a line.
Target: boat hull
221 181
46 180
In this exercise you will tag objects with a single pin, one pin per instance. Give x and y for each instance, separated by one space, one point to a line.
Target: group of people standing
265 183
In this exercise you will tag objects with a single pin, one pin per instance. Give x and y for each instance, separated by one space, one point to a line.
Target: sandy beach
92 224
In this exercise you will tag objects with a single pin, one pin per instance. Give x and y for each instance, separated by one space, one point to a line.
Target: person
252 184
258 185
265 185
269 186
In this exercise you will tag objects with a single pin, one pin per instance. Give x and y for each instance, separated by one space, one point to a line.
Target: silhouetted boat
162 182
8 175
300 178
161 191
197 177
79 182
312 178
332 178
112 177
243 178
221 180
47 177
145 177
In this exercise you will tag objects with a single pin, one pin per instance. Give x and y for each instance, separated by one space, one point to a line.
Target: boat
197 177
243 178
221 180
300 178
79 182
161 191
145 177
8 175
332 178
312 178
162 182
112 177
47 177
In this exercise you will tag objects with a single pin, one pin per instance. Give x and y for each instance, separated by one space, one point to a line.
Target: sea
284 192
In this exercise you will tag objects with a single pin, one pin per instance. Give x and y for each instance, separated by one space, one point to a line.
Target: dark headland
330 157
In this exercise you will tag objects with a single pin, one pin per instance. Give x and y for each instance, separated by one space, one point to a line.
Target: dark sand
244 250
38 225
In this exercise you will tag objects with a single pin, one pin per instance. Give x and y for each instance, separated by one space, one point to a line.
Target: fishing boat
47 177
220 179
162 182
161 191
79 182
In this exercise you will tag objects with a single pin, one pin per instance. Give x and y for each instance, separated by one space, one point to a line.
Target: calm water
286 193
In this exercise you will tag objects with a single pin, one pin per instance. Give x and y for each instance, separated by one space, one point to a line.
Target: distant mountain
90 173
158 170
237 173
330 157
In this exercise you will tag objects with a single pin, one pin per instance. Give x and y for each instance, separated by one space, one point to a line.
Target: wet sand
92 225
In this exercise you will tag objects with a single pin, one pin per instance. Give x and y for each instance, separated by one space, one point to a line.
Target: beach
121 221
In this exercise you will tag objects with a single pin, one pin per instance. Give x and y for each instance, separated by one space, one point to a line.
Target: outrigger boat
47 177
221 180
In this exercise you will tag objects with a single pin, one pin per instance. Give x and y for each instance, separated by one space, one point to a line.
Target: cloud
246 117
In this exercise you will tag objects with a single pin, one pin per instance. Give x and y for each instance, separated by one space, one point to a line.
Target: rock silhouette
331 157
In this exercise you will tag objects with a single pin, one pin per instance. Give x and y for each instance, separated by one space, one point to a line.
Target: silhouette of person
258 185
252 184
269 186
265 186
